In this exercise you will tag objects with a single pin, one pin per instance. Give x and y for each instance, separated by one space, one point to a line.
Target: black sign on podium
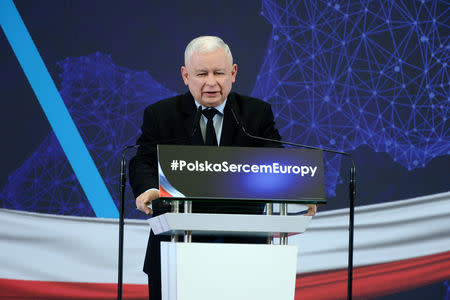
241 174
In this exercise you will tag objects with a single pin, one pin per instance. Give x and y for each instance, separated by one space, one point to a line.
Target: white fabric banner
79 249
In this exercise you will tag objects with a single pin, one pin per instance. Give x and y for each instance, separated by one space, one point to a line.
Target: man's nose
211 79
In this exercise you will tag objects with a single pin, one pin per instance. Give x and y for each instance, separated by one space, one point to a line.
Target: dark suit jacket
170 121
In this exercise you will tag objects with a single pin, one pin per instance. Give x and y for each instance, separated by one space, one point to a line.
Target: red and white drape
399 245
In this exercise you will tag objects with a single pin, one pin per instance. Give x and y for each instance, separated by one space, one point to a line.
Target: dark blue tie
211 139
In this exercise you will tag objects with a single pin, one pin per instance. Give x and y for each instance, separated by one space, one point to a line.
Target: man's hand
145 199
312 209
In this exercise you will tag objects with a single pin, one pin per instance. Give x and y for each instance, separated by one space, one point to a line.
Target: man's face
209 77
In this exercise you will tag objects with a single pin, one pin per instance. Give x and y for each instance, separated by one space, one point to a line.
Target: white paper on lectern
231 223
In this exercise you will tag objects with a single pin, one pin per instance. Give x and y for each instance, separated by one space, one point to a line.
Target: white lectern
227 271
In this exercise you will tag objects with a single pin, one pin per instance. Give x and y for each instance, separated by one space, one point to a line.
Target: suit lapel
188 110
229 125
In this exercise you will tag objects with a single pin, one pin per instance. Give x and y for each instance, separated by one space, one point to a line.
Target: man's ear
233 73
185 75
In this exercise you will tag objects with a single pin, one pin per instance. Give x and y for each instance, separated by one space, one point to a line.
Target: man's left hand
312 209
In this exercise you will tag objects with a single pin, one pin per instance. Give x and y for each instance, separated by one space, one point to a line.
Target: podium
227 271
234 175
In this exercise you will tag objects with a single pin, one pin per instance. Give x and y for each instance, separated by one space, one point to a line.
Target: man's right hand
145 199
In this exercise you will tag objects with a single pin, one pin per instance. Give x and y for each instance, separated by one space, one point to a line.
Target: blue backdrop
368 77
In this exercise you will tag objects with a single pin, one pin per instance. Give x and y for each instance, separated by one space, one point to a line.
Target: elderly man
209 73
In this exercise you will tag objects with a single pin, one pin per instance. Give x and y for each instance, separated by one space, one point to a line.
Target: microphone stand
123 180
352 193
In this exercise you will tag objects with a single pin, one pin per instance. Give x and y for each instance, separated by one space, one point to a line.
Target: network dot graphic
106 102
340 75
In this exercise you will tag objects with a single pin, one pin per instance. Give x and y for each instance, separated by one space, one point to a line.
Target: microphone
242 127
123 179
352 192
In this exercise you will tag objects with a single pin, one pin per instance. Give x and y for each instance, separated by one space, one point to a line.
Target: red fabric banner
376 280
369 282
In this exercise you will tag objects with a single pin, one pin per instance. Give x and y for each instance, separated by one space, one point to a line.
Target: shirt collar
220 108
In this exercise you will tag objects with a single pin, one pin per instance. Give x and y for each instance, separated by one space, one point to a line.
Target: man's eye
201 74
220 73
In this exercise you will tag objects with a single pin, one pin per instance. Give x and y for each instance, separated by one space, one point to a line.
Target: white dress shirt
218 121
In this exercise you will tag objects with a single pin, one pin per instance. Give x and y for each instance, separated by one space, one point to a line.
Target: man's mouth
212 93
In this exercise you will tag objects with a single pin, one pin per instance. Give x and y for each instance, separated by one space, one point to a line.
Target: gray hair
206 44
